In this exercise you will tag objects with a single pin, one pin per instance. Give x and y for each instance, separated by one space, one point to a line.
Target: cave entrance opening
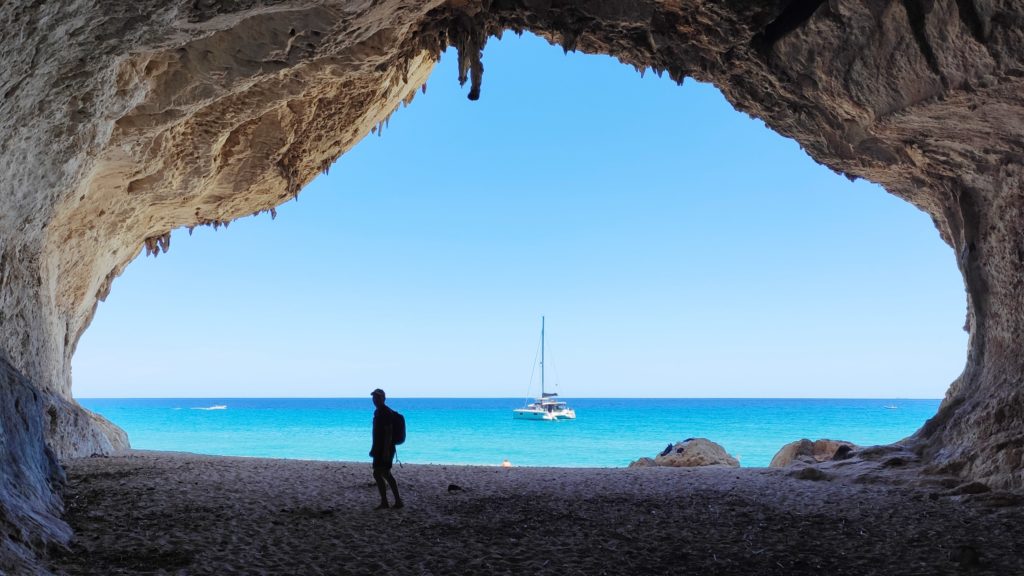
677 247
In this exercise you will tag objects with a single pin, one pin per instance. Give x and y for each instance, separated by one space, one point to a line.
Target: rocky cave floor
168 513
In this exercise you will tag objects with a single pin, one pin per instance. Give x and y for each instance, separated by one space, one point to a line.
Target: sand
173 513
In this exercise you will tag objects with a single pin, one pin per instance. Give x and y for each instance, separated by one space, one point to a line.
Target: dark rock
843 452
966 556
972 488
809 473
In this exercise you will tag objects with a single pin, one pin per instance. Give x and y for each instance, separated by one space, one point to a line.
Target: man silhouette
383 450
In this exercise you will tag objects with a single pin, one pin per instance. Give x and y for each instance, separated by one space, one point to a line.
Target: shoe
398 504
382 506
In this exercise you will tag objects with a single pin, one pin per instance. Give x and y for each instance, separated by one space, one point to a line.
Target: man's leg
378 477
394 488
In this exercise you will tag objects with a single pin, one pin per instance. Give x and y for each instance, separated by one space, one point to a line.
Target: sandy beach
173 513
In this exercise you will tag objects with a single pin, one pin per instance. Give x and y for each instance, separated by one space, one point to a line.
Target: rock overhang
123 122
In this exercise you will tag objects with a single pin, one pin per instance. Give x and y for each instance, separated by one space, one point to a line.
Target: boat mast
541 356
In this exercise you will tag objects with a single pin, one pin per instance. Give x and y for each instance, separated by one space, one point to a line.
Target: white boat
546 406
890 407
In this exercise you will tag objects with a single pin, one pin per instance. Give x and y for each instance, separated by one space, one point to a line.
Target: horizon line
505 397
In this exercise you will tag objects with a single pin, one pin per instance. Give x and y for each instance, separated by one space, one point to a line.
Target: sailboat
546 406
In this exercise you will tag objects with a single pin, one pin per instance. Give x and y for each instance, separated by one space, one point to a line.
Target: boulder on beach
808 452
644 462
690 453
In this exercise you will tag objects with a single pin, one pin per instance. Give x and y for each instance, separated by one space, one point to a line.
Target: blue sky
677 247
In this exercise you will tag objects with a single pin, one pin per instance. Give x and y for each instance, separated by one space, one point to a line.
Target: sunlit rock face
690 453
804 451
120 122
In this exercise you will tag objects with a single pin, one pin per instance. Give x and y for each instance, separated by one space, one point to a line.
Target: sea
608 432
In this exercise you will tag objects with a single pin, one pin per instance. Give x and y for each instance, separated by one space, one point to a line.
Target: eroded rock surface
120 122
807 452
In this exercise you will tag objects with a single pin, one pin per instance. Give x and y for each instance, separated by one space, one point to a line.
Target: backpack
397 428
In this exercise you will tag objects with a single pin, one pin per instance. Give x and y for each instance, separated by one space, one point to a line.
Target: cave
123 122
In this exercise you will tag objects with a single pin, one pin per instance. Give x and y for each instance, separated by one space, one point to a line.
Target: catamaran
546 406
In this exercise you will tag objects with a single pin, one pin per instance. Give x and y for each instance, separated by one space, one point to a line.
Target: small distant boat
545 406
890 406
214 407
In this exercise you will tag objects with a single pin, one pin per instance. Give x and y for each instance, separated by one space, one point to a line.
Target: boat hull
528 414
531 415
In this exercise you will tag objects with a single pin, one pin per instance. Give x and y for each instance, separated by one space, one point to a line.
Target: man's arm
375 446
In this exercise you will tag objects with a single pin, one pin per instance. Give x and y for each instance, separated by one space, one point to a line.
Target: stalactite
676 75
476 72
469 38
158 244
569 40
409 98
287 172
271 211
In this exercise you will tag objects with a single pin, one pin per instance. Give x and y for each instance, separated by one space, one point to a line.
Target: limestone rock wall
123 121
30 507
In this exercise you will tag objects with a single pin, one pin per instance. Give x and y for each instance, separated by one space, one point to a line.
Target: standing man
383 450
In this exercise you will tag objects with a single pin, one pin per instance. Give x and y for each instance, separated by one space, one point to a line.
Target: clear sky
677 247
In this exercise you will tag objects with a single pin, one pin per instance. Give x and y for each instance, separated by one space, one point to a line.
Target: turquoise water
607 431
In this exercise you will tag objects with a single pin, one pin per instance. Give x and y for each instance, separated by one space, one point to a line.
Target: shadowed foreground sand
169 513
